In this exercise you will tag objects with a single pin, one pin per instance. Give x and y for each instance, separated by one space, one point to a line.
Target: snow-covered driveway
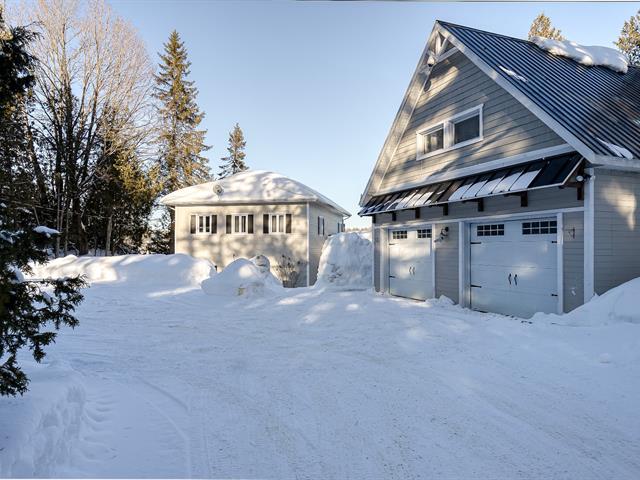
335 385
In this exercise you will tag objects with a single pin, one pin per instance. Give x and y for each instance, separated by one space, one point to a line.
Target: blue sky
315 85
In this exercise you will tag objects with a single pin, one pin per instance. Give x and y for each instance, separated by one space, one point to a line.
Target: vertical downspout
308 246
589 235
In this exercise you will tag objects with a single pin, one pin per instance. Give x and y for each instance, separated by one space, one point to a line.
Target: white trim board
308 246
502 216
589 236
483 167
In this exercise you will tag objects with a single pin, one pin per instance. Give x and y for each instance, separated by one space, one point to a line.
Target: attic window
455 132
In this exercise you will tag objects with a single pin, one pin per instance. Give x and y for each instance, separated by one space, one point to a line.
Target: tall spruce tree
234 162
181 141
629 40
30 311
541 27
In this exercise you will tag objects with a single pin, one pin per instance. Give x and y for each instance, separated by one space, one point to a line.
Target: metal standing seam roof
543 173
594 103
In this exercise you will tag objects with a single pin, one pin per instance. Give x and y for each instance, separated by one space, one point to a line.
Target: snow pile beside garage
346 262
591 55
177 270
39 428
244 277
618 305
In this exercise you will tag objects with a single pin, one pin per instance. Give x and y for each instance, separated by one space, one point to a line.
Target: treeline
101 132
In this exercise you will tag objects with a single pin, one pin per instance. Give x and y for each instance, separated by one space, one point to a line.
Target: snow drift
586 55
39 428
619 305
244 277
346 261
140 270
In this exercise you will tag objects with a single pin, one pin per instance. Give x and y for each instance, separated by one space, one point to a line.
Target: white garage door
410 265
514 267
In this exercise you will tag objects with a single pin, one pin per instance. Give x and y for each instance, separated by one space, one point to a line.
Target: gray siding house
255 212
510 179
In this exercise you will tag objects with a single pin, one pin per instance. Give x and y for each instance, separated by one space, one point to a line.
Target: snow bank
244 277
586 55
346 261
618 305
138 270
38 429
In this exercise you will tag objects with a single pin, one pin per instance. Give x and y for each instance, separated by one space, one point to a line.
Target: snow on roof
251 186
586 55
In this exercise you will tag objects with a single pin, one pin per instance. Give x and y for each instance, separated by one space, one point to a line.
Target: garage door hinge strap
554 294
392 276
475 243
475 286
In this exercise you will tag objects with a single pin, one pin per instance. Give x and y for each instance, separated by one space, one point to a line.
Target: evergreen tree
629 40
181 141
27 307
234 162
541 27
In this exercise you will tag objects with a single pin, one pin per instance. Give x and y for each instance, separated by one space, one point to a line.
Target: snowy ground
161 380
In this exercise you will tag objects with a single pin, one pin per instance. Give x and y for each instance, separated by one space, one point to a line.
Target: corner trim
560 260
308 246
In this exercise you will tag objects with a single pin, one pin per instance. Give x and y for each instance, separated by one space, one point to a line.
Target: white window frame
204 232
241 215
284 223
448 132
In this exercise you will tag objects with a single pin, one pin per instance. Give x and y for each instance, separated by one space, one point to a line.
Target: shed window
424 233
320 225
399 234
242 223
276 223
433 140
203 224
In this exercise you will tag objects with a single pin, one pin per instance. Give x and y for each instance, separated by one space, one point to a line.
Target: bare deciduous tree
93 84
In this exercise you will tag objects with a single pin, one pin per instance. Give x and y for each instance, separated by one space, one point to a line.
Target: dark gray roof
593 103
542 173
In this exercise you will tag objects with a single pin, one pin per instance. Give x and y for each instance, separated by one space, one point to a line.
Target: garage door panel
514 250
410 265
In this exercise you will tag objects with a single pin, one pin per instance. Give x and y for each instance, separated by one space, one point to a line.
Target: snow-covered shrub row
138 270
244 277
346 262
38 430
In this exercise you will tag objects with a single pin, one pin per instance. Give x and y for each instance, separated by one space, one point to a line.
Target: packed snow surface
346 261
244 277
586 55
161 381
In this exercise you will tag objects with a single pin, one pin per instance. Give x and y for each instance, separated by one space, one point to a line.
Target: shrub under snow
244 277
346 262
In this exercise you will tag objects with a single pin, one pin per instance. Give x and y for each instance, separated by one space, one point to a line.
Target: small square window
424 233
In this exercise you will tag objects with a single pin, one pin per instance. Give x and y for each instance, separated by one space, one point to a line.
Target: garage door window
424 233
493 230
399 234
543 227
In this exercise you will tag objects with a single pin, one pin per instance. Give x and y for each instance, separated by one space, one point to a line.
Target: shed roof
249 187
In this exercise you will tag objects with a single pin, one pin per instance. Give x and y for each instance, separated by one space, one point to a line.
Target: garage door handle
509 279
515 279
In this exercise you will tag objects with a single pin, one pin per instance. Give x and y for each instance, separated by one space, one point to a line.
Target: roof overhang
514 180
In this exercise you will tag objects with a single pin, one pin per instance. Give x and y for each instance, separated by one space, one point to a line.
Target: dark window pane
228 223
265 223
192 224
288 227
434 140
200 224
207 224
467 129
250 222
214 224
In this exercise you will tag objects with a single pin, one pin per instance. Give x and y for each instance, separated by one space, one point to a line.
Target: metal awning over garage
545 173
